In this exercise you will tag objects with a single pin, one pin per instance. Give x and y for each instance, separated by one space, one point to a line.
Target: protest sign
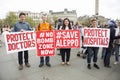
96 37
67 38
19 41
45 43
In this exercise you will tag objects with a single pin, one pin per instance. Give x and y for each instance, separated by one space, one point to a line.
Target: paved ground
76 71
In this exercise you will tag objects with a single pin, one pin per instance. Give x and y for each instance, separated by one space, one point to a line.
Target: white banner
19 41
96 37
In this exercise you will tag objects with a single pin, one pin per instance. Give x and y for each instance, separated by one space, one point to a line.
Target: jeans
20 57
92 52
47 59
117 52
103 53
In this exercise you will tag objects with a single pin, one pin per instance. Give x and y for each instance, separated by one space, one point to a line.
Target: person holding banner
92 51
44 26
65 52
22 26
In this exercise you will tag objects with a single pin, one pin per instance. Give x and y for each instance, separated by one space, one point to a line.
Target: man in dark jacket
112 26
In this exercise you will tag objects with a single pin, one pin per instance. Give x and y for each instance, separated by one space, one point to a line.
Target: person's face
6 26
94 23
44 18
22 18
76 23
66 22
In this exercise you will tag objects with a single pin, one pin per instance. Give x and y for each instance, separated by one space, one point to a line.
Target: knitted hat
112 23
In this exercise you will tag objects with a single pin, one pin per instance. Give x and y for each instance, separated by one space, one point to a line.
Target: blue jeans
116 52
47 59
103 53
92 52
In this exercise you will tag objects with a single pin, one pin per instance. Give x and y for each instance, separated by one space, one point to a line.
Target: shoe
89 66
96 66
20 67
68 63
41 65
78 54
115 62
107 66
84 56
27 65
63 63
48 64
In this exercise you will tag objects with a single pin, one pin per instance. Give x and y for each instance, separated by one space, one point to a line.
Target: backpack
38 27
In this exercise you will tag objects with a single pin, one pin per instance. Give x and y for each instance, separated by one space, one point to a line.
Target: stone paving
76 71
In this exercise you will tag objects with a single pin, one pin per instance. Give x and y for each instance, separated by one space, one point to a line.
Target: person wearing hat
112 25
43 26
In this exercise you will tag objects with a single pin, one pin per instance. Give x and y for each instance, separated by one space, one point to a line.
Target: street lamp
96 7
97 10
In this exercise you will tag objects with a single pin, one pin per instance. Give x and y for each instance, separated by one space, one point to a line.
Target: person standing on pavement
112 25
65 52
92 51
22 26
103 49
4 30
44 26
82 50
117 44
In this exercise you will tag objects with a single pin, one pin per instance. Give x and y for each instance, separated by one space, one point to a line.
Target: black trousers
107 56
65 53
20 57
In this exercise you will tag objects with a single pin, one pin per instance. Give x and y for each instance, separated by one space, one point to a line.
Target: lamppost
97 9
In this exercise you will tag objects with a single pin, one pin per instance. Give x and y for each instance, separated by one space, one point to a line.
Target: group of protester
65 24
106 52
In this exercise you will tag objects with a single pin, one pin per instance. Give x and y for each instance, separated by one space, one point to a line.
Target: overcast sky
107 8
